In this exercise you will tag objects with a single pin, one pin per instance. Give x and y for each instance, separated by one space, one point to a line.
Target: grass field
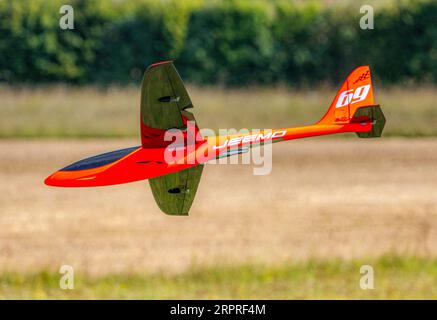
394 278
89 112
328 206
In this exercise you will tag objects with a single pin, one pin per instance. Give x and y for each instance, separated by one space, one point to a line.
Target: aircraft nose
52 180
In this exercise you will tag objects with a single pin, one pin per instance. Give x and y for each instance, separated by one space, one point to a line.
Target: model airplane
164 104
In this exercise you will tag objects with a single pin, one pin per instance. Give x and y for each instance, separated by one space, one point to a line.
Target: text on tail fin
356 92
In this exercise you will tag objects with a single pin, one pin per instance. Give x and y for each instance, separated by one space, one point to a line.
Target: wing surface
164 104
174 193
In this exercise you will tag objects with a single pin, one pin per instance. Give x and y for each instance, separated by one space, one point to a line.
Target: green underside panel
174 193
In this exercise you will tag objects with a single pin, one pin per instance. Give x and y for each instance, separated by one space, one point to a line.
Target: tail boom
321 130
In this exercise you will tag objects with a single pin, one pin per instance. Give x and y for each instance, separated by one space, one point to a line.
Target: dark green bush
33 48
146 34
404 45
231 42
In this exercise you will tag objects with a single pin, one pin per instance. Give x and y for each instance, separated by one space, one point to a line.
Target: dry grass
89 112
324 199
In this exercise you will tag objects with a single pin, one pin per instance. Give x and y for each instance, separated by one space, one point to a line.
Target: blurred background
329 206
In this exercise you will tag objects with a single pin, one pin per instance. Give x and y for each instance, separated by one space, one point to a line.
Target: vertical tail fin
354 103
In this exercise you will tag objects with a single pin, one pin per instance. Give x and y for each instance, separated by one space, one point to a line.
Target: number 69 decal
349 96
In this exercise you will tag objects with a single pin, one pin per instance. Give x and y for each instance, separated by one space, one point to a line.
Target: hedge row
232 42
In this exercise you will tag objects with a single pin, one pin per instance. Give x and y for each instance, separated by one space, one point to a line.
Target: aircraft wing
164 104
174 193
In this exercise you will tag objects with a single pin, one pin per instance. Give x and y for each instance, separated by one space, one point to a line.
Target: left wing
174 192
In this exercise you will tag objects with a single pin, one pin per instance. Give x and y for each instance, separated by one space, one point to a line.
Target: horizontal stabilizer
373 114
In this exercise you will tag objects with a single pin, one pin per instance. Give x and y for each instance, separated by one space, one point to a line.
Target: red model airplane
164 104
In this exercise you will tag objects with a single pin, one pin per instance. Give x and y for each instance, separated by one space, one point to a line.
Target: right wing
164 104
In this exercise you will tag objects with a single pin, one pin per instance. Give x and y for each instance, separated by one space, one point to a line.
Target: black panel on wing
174 193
